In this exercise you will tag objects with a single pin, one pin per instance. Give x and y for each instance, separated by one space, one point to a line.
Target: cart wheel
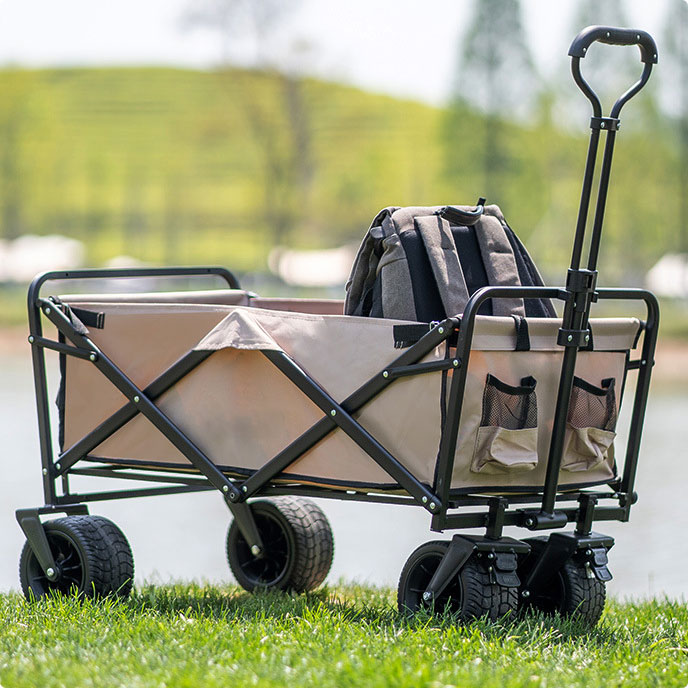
92 555
298 546
471 594
574 592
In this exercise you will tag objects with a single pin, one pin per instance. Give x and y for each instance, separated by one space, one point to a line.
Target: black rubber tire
471 595
298 542
573 592
93 559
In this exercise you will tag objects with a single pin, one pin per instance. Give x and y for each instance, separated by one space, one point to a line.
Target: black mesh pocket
505 406
593 407
591 422
506 441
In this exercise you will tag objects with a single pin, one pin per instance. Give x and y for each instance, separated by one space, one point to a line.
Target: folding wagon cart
485 421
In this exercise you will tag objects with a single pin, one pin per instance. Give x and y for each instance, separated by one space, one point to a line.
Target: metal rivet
490 569
432 505
608 34
225 488
424 499
530 522
490 555
333 412
643 362
45 471
587 337
385 373
526 594
588 552
427 596
136 399
440 330
31 339
92 357
244 489
455 362
585 50
637 38
47 311
58 467
255 550
570 338
50 572
601 125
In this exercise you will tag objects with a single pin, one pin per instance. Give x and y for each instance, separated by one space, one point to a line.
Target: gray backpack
423 263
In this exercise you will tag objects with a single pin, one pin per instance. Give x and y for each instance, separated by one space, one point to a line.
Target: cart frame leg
562 546
501 555
30 522
247 526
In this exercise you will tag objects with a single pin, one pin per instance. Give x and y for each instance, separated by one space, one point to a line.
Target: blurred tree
496 74
281 130
674 57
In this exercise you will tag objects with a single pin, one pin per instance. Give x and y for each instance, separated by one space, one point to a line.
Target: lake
182 537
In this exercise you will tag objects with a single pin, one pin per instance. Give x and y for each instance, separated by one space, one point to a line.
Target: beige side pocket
590 426
507 437
585 448
500 450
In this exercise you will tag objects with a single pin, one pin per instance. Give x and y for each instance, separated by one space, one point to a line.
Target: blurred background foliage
176 166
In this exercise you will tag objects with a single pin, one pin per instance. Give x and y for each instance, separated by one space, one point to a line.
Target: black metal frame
436 499
538 509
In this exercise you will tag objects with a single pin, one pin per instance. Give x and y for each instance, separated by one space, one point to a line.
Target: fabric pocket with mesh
591 424
507 437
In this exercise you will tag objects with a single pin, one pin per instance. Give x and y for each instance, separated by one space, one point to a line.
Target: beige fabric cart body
241 410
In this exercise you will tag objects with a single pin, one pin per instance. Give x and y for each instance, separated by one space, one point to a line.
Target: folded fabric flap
241 329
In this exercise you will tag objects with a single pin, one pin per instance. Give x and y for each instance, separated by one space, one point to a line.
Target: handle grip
614 36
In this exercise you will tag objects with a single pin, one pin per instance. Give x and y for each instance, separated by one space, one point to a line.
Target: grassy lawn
188 635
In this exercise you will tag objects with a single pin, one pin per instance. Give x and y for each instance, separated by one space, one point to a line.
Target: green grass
190 635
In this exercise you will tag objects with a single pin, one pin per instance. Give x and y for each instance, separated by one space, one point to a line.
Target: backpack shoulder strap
446 267
498 259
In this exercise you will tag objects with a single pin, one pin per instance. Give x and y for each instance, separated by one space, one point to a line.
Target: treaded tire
298 546
585 595
471 595
93 558
573 592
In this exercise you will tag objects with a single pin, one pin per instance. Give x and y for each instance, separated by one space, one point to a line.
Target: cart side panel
544 367
241 410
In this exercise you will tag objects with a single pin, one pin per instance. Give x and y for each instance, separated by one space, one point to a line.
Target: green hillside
182 166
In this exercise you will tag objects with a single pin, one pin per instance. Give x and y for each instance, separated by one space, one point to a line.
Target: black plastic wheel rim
417 582
70 568
269 569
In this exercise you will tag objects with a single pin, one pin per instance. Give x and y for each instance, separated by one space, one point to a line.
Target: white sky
403 47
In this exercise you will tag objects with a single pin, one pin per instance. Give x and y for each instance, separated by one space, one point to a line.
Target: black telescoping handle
615 36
